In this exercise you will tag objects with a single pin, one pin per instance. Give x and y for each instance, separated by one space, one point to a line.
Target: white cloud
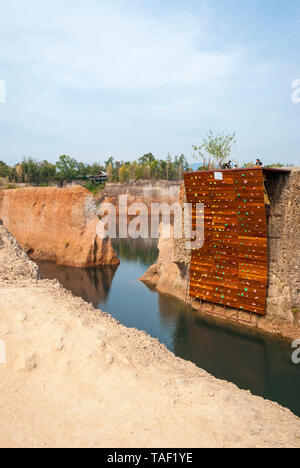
107 46
124 77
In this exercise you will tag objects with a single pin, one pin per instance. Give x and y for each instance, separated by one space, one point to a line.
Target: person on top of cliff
227 165
259 163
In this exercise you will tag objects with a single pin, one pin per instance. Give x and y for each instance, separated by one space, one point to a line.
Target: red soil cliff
56 224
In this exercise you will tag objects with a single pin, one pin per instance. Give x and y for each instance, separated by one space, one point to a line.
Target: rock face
143 191
170 274
57 225
284 247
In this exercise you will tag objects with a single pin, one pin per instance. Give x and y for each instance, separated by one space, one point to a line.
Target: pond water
251 360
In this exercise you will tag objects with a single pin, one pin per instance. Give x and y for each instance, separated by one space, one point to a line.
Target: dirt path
74 377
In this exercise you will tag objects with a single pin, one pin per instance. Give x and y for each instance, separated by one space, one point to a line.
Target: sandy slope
75 377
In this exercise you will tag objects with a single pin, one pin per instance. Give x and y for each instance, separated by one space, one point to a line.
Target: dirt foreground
74 377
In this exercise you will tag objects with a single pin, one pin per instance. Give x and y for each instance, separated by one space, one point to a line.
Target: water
251 360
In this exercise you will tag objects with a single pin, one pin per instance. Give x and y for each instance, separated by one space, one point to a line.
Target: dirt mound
14 263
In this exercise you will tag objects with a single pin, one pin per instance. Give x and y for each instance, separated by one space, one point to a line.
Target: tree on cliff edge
217 147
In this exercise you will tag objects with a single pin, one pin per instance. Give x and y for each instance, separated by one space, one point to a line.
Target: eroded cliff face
284 246
170 274
57 225
141 191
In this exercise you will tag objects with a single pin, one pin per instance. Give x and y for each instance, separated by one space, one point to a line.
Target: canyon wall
170 274
284 245
57 225
141 191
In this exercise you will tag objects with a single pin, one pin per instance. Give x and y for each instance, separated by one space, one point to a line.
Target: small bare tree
218 147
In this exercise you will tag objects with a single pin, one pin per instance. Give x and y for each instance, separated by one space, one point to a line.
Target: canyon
75 377
60 225
56 224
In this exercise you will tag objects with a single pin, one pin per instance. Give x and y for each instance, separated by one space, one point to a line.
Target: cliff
142 191
170 274
57 225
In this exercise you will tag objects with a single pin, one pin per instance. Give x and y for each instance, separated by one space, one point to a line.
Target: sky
123 78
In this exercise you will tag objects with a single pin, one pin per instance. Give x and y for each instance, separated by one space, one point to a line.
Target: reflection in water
92 284
139 250
252 361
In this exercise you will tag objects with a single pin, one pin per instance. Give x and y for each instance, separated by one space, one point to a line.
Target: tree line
213 153
68 169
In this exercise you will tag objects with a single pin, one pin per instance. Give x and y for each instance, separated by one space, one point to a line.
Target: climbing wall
231 268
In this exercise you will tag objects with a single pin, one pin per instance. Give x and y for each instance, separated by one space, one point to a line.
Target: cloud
107 46
124 77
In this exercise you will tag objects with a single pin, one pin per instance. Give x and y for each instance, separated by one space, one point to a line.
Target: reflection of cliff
139 250
92 284
218 349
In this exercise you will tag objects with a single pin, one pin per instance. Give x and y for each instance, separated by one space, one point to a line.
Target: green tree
67 168
4 169
47 172
31 171
109 162
94 169
147 159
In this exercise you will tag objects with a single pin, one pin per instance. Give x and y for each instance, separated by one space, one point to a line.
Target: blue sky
122 78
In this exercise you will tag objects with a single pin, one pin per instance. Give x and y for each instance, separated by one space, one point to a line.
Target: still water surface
250 360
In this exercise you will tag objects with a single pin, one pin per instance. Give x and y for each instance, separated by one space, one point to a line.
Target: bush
94 188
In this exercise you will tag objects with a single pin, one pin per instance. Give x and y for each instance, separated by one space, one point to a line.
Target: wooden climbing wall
231 268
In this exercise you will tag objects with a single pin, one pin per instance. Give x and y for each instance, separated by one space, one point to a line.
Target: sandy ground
74 377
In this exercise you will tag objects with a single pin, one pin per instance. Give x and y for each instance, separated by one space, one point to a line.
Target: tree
29 170
82 170
133 170
4 169
109 170
147 159
94 169
217 147
109 162
12 176
67 168
47 172
124 173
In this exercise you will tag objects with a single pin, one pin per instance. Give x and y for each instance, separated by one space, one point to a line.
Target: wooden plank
232 267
